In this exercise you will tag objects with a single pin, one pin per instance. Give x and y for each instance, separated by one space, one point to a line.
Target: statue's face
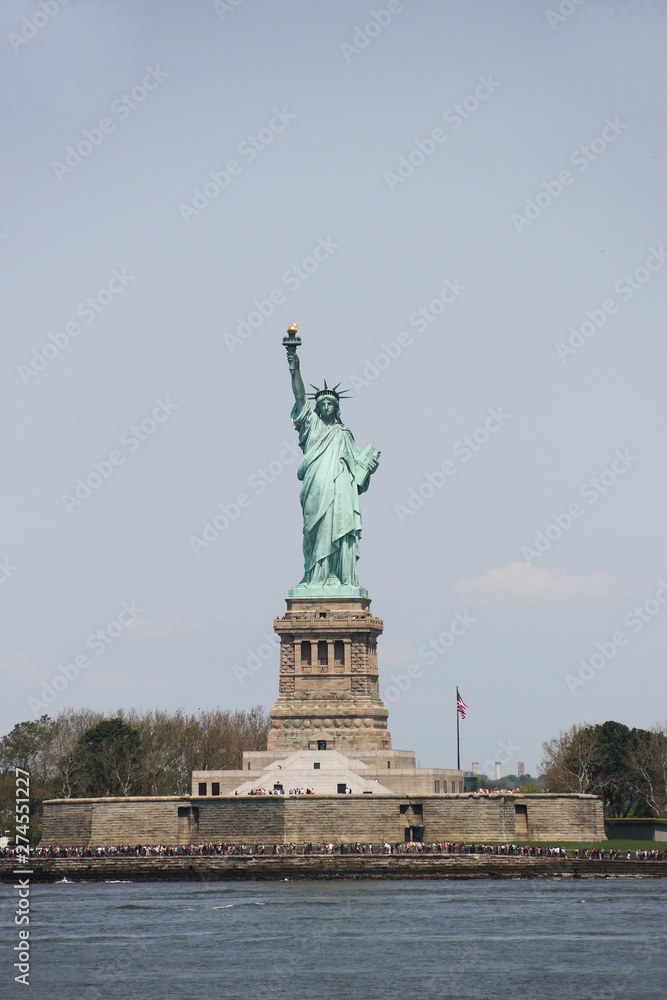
326 407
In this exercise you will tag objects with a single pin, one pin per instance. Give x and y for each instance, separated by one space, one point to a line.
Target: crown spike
327 391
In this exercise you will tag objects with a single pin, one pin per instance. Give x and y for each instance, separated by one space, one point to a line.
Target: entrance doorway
414 834
521 822
188 824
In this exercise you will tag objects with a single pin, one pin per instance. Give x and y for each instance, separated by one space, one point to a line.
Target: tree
109 760
162 759
569 760
613 774
46 749
532 787
80 753
603 760
66 751
649 765
174 745
25 747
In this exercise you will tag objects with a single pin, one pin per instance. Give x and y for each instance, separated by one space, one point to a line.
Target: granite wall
283 819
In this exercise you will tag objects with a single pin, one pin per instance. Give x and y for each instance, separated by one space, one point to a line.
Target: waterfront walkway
205 867
335 847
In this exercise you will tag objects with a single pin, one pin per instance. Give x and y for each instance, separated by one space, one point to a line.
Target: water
546 940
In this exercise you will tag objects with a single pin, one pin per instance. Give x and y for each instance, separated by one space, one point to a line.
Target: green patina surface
334 473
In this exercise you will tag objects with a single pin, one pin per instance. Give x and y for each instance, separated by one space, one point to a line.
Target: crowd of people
280 791
336 847
499 791
597 854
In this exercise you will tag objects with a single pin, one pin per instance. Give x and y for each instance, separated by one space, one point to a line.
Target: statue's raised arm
298 387
334 472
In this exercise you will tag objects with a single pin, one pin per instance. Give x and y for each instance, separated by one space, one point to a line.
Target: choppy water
546 940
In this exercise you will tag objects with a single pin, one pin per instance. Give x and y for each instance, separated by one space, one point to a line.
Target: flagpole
458 736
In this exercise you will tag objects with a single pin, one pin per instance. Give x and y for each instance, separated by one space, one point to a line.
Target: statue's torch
292 341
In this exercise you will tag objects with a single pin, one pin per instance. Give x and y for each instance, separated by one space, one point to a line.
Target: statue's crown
326 391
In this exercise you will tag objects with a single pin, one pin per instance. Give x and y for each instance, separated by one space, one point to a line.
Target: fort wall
281 819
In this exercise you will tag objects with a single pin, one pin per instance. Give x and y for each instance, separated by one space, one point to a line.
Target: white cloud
519 583
16 665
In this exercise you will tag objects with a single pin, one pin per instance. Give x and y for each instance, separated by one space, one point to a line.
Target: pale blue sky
179 87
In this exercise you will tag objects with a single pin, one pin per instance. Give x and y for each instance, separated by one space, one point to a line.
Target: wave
228 906
132 906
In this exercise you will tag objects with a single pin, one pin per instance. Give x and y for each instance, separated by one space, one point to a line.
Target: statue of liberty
334 472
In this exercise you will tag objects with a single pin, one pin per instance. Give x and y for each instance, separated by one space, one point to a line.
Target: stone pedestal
329 697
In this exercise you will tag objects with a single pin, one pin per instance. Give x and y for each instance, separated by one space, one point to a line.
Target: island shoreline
320 867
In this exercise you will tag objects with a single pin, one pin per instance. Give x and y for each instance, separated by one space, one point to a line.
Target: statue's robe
330 492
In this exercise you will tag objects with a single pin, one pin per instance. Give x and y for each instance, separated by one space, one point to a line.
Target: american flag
460 705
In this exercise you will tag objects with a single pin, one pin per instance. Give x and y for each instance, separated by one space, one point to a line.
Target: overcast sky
463 206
